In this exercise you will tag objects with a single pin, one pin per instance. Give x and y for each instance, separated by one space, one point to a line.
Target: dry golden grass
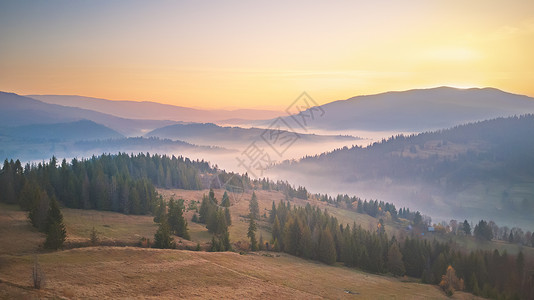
126 272
110 272
16 233
110 226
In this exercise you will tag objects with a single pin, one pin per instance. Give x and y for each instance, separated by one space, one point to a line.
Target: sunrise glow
262 54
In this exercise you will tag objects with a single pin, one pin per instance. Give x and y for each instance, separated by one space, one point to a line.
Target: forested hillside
123 183
451 164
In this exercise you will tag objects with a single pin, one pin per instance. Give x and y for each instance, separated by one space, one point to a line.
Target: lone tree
55 229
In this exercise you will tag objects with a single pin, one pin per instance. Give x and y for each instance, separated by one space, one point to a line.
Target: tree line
122 183
312 233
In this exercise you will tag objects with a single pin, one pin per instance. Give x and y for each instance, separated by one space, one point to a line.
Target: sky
262 54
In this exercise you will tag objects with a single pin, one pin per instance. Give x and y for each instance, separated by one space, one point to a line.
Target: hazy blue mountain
211 134
417 110
153 110
19 110
72 131
481 170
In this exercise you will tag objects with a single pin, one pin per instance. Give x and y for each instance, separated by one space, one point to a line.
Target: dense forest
396 157
499 150
312 233
123 183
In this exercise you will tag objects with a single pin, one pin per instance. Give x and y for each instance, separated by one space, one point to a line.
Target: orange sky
262 54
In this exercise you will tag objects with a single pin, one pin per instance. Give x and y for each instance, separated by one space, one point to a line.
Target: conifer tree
55 229
212 196
466 228
253 207
176 220
272 213
163 238
225 202
204 210
252 234
228 216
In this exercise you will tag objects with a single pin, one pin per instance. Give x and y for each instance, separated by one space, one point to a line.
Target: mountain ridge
416 110
153 110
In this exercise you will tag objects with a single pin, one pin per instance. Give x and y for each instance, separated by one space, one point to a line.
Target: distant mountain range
31 130
72 131
211 134
415 110
155 111
483 170
19 110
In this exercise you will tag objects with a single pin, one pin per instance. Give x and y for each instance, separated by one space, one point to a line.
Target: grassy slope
166 273
108 272
239 210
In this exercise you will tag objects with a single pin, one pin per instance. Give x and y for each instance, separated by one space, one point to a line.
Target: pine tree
272 213
159 211
204 210
212 197
252 234
228 216
176 220
466 227
55 229
163 238
225 202
254 207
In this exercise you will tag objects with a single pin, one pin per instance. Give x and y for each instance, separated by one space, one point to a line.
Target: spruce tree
212 197
55 229
204 210
225 200
163 238
466 228
228 216
254 207
252 234
175 217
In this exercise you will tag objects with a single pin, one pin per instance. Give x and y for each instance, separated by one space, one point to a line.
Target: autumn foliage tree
450 282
